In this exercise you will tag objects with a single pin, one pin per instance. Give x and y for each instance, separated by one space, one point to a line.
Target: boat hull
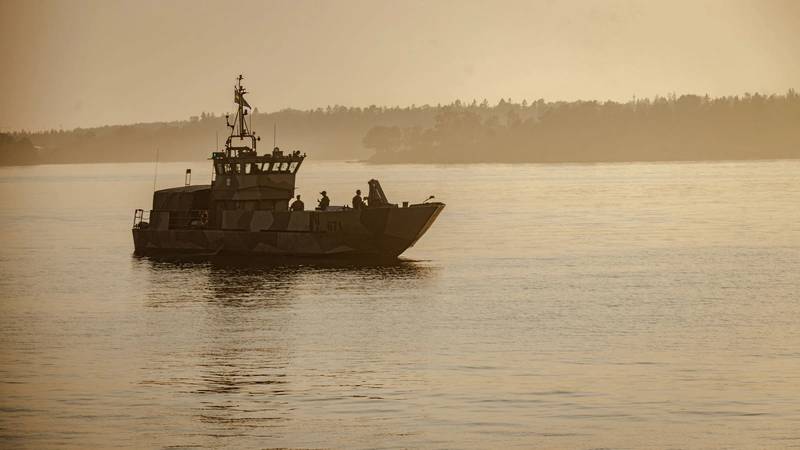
345 234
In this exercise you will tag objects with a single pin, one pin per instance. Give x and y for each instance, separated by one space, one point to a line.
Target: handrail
141 218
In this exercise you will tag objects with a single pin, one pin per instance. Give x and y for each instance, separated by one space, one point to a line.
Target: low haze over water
646 305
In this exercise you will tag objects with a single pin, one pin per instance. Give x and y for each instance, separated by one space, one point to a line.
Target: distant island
672 128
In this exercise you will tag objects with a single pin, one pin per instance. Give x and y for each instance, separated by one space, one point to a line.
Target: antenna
155 175
274 134
216 148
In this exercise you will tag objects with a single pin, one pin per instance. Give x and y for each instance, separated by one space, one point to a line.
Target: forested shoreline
672 128
330 133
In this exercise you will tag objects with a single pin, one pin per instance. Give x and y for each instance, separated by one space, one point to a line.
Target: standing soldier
324 202
358 203
297 205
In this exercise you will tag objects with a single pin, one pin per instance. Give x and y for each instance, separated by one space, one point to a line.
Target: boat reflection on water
237 282
247 340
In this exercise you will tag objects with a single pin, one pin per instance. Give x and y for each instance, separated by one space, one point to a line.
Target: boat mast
239 127
239 98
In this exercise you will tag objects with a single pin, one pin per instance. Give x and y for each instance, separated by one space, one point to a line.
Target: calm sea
550 306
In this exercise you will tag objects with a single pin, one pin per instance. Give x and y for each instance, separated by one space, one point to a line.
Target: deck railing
193 218
141 218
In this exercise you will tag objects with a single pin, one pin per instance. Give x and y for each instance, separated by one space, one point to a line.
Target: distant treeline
685 128
325 133
688 127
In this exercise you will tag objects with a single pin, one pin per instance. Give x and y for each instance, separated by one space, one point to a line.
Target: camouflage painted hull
346 234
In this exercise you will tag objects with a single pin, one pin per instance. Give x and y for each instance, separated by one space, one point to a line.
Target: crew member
297 205
358 203
324 202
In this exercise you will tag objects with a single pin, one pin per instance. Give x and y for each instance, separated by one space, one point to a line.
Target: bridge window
293 166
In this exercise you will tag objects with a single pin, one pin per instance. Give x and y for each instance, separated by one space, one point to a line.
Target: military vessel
245 210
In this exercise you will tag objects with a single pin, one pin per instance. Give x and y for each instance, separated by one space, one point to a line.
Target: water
550 306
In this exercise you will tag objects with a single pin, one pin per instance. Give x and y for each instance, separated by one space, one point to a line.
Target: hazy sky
87 63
